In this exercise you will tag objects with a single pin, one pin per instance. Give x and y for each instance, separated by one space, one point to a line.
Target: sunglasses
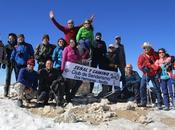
161 52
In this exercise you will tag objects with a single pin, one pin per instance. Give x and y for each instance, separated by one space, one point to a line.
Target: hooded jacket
57 56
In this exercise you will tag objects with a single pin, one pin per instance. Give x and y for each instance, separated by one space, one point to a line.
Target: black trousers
94 64
9 71
71 89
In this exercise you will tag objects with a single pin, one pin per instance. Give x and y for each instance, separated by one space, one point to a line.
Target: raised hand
92 18
51 14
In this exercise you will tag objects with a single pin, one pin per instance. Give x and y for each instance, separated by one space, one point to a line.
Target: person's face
45 41
129 69
112 49
61 42
118 40
161 53
147 49
72 43
30 67
20 39
98 37
86 24
49 65
70 25
11 39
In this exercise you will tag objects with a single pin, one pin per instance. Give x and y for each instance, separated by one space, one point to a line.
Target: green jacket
84 33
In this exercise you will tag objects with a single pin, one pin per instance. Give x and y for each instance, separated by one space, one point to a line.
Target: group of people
82 47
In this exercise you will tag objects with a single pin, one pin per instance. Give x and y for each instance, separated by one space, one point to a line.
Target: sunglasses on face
161 52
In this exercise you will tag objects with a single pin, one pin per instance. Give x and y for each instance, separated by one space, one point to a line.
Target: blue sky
135 21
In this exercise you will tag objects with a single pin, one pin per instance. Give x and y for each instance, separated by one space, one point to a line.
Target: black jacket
9 48
98 50
46 77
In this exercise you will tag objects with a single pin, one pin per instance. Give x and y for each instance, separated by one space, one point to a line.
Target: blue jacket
21 53
28 79
57 56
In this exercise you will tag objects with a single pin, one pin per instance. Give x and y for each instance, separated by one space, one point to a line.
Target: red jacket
69 33
148 62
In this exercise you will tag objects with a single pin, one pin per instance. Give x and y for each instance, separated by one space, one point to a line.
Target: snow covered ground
15 118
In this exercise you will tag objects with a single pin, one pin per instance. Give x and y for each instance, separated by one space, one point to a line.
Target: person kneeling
27 83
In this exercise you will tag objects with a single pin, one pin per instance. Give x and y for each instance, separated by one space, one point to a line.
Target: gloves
145 70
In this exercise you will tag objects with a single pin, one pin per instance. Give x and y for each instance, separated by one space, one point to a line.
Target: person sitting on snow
27 83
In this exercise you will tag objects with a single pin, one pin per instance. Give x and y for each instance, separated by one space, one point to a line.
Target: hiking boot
20 103
39 105
6 91
166 109
159 107
141 105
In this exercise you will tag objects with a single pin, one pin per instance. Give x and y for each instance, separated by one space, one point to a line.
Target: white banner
86 73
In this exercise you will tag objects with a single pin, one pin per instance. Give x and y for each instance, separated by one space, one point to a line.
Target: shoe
159 107
166 109
19 103
39 105
141 105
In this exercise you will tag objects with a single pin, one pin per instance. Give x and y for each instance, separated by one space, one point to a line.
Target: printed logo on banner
86 73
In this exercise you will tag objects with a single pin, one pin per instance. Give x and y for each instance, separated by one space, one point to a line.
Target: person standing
57 54
98 54
71 54
120 52
165 66
145 63
21 53
12 42
2 56
44 51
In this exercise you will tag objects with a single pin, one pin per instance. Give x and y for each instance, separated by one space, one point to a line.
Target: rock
69 106
84 89
144 120
70 117
109 115
106 108
123 106
47 109
104 102
60 110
